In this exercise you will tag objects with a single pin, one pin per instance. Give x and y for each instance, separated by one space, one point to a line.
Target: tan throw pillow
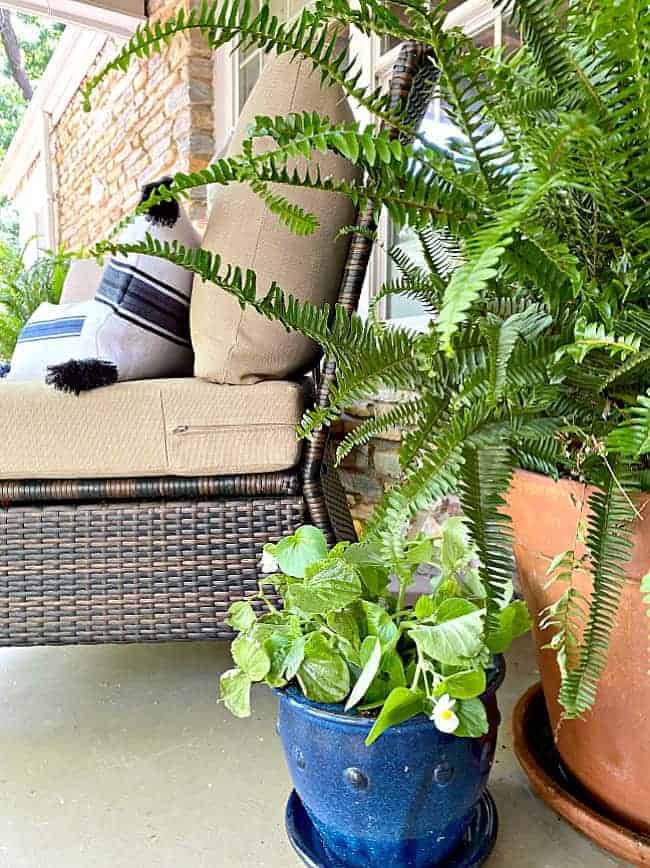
235 346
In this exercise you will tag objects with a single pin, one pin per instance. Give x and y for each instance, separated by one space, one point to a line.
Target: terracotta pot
608 751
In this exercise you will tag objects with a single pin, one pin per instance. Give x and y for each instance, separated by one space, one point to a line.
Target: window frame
227 68
472 16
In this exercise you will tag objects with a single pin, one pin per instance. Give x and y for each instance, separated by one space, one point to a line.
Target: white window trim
473 16
228 64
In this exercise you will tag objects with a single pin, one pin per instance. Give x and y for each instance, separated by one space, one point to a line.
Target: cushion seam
164 424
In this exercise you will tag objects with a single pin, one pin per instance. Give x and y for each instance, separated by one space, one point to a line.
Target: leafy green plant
533 226
345 638
23 288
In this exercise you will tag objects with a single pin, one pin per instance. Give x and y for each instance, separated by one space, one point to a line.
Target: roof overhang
118 17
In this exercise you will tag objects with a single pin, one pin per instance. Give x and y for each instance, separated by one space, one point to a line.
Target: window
236 73
250 63
488 27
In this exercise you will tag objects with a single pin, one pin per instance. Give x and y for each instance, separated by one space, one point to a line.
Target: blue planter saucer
475 848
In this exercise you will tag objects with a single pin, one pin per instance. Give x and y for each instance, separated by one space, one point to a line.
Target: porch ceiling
118 17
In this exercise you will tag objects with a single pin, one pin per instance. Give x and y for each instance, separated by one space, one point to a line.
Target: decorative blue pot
404 802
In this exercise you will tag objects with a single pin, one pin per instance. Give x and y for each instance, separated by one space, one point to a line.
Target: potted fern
530 385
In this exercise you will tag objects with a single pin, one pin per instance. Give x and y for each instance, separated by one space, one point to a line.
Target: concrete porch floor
119 757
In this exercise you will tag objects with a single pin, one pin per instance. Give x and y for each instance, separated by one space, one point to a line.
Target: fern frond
539 23
594 336
386 360
539 456
441 250
425 290
484 478
297 220
484 251
433 475
344 338
634 362
609 543
566 617
226 21
632 437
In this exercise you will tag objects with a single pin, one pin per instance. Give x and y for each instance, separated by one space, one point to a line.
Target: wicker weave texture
133 571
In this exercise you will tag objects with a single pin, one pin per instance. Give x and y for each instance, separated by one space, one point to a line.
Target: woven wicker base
132 572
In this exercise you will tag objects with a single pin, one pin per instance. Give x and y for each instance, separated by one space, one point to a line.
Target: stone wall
368 470
153 120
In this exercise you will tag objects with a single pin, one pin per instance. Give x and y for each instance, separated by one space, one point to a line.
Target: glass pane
397 305
510 36
248 75
252 59
386 43
485 37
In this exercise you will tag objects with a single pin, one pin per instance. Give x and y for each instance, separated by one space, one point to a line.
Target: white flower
443 715
268 564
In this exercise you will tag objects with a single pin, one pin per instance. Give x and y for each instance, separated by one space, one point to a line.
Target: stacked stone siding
368 470
153 120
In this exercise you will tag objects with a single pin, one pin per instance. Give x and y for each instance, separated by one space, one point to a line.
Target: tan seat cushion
235 346
148 428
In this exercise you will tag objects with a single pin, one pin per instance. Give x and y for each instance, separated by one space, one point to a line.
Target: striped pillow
146 301
53 333
138 319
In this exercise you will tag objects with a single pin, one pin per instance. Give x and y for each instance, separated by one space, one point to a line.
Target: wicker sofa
160 556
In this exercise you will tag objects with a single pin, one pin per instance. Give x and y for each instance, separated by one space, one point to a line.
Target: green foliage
566 617
23 288
37 40
610 545
343 637
534 227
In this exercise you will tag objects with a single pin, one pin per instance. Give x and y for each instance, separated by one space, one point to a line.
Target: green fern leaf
609 543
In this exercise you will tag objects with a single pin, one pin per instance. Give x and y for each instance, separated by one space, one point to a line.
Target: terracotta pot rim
608 833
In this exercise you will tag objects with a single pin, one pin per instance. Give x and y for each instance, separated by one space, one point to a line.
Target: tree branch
14 54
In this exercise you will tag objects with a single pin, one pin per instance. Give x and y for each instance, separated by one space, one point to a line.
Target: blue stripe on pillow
68 327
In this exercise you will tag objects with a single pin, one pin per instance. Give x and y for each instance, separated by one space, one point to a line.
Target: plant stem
416 677
265 599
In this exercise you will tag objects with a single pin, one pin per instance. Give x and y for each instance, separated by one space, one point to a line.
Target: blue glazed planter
403 802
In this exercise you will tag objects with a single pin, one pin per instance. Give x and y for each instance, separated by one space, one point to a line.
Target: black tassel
4 370
81 375
165 213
